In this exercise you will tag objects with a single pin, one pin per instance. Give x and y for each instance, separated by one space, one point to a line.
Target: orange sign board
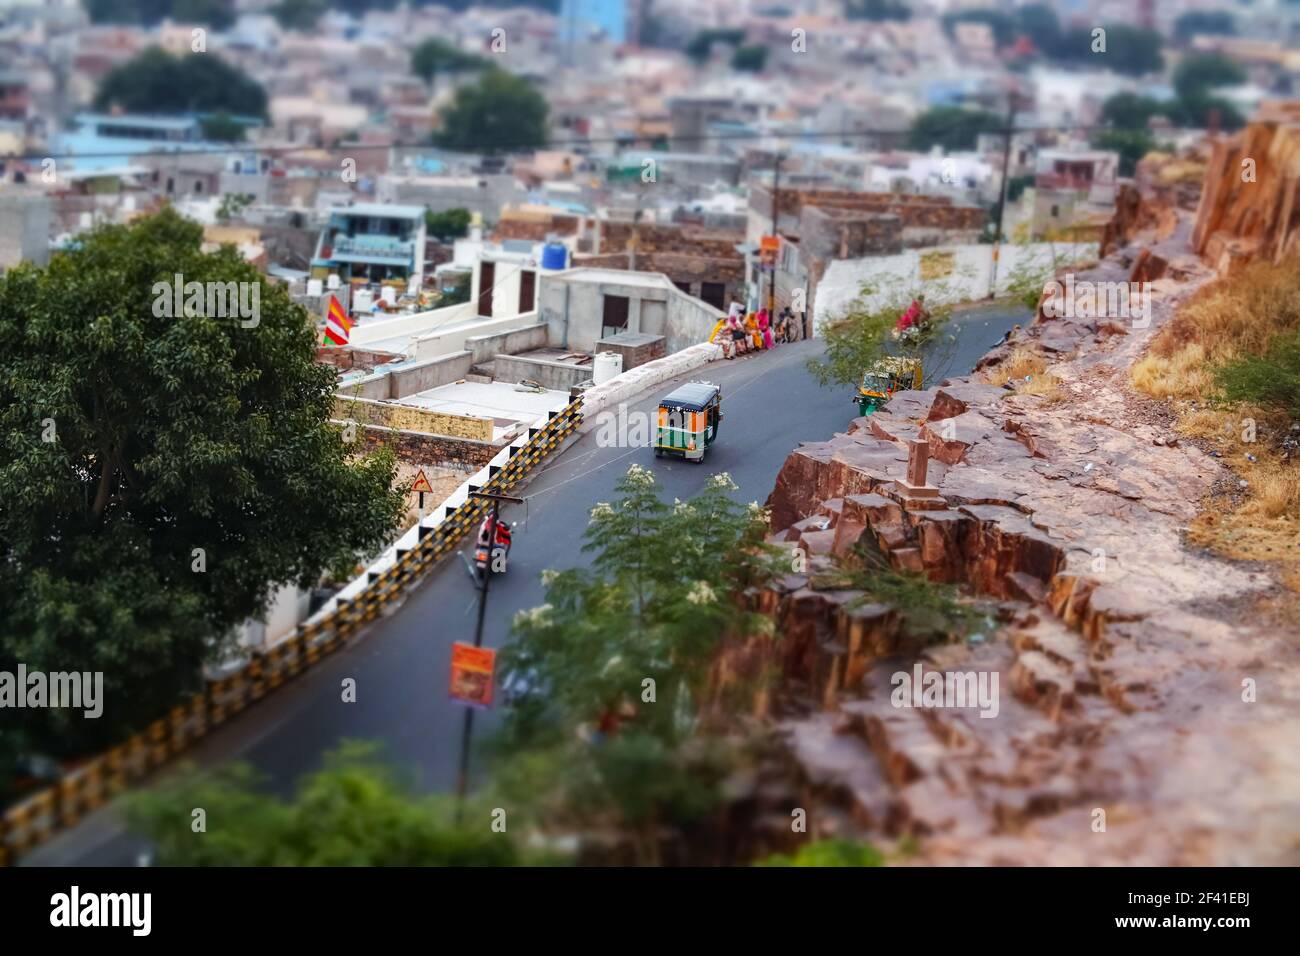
421 483
472 673
769 243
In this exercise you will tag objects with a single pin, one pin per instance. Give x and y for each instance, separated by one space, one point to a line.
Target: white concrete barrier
636 380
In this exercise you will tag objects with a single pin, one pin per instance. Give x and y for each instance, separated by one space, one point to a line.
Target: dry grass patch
1229 319
1025 363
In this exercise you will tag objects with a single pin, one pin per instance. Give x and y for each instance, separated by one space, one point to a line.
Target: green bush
829 853
1272 379
354 812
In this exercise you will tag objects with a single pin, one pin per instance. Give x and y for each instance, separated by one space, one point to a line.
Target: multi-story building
1074 191
372 242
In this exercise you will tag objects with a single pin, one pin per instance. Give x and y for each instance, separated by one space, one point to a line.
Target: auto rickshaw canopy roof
893 365
693 396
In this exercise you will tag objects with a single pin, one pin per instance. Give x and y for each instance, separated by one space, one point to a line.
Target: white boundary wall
900 275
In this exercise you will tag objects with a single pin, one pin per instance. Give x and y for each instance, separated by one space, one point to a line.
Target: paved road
400 664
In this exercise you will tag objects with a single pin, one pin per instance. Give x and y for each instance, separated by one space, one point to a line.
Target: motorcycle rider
502 534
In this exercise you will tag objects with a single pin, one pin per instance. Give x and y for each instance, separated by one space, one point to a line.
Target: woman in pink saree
765 327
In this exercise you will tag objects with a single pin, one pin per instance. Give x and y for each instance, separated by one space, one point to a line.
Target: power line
481 149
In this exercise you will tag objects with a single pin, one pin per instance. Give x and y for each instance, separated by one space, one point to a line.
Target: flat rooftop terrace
507 405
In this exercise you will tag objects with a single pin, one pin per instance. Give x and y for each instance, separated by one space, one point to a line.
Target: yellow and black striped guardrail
81 790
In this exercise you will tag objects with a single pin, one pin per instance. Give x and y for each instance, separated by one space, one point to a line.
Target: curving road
400 664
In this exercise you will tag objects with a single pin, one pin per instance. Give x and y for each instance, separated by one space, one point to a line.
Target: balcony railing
384 246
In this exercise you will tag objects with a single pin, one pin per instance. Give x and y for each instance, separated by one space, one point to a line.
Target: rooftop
507 405
379 210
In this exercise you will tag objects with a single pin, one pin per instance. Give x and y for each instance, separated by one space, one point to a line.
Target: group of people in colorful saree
739 333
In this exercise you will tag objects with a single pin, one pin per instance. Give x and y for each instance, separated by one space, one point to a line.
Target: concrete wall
899 277
418 376
620 388
398 381
369 332
506 281
560 376
410 418
455 336
436 451
510 342
656 307
24 229
287 606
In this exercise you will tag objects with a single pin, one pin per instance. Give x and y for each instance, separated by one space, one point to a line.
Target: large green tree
448 224
299 14
161 475
951 128
436 56
157 82
218 14
1132 111
1195 22
877 10
500 112
1134 51
1201 72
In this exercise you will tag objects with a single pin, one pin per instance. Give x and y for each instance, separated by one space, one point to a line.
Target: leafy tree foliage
355 811
1202 109
835 852
654 605
436 56
1214 22
1134 51
750 58
222 128
1200 72
500 112
1131 144
448 224
583 745
217 14
161 475
157 82
299 14
701 44
877 10
1041 25
1132 111
951 127
459 291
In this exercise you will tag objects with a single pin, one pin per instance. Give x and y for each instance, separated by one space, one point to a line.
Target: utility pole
467 728
1002 203
776 207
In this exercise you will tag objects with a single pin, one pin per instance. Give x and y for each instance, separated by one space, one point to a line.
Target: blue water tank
554 255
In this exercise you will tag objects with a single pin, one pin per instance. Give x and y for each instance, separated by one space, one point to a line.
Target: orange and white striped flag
337 323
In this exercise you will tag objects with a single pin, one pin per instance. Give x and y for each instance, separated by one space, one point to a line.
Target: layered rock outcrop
1130 725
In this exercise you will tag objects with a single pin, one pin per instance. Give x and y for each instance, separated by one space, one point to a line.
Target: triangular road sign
421 483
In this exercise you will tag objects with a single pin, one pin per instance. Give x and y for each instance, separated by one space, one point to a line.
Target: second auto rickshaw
885 377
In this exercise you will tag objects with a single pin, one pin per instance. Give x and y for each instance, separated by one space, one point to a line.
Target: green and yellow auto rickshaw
891 374
688 420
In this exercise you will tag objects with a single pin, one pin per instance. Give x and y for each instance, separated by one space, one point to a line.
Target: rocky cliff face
1249 208
1124 658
